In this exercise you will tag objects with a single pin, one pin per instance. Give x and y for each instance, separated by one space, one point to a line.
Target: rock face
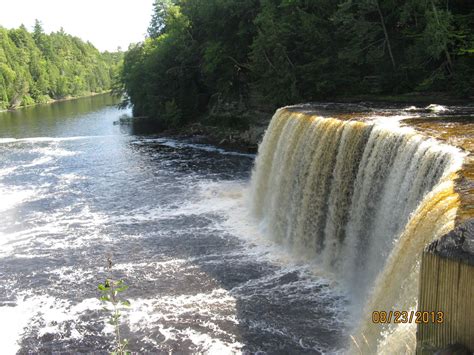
446 286
457 244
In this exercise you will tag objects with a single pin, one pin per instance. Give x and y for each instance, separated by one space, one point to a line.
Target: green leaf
122 288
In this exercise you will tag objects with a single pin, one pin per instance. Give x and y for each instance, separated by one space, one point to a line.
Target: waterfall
362 199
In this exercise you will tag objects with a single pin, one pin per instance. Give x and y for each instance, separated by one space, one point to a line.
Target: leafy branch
110 291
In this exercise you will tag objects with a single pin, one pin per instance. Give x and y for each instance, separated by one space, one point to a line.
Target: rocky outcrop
456 245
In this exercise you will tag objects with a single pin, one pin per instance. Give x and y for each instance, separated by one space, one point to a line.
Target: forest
200 56
36 67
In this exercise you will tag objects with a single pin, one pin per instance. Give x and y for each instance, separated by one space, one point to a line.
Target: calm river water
74 188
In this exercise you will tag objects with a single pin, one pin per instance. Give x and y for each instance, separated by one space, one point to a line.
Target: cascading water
362 199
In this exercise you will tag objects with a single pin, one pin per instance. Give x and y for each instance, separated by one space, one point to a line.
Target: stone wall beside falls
446 285
362 195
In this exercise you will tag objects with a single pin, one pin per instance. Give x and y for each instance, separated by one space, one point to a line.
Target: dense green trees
194 54
200 55
37 67
410 44
295 50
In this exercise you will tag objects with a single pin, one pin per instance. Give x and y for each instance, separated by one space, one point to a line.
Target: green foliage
161 13
427 40
294 50
200 54
193 53
110 292
37 67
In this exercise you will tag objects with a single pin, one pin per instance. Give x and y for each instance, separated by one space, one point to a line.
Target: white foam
14 320
54 151
47 313
39 161
437 108
7 171
180 144
7 140
211 308
210 345
46 139
62 226
226 199
13 196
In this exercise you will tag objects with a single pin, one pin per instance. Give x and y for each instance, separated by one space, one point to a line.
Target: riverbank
231 127
52 101
242 130
225 131
246 140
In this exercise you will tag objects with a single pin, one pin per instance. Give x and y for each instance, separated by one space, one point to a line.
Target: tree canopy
199 55
36 67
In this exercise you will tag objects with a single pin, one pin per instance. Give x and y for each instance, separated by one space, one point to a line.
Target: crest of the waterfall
345 194
398 168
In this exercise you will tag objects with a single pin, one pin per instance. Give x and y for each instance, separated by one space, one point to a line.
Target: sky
107 24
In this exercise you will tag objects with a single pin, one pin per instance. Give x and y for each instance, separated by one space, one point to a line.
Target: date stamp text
418 317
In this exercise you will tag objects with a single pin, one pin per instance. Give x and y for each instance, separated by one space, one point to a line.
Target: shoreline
247 139
53 101
244 141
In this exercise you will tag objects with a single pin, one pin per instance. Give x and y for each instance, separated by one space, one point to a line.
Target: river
172 215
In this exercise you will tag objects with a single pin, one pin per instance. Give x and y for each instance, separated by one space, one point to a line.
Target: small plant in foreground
110 291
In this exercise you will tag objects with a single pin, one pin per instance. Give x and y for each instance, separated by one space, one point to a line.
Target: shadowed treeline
228 56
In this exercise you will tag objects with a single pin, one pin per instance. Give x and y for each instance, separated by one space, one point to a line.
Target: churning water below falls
174 217
289 258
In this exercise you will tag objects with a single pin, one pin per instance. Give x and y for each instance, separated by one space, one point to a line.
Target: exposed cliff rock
457 244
